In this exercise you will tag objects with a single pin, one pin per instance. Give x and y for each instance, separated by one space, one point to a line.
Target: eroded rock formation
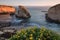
53 14
23 13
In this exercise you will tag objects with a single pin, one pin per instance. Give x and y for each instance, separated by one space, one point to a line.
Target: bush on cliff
35 34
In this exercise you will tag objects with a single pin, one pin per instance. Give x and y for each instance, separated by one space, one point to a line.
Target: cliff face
7 9
5 12
23 12
54 13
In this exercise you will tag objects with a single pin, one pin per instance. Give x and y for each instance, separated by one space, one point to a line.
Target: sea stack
53 14
23 13
5 12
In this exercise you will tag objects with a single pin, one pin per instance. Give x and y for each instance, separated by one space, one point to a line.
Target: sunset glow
30 2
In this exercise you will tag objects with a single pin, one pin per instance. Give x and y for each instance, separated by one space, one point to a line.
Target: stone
1 38
1 33
11 30
53 14
23 13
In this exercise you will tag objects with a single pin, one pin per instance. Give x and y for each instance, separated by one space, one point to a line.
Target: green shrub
35 34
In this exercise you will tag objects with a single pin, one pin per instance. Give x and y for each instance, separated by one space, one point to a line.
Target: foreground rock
53 14
23 13
7 32
5 12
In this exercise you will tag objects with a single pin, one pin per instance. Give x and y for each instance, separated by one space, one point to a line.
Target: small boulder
53 14
23 13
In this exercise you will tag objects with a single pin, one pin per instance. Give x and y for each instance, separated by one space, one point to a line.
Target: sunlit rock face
54 13
23 13
7 9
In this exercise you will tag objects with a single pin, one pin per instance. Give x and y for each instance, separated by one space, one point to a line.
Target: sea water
37 18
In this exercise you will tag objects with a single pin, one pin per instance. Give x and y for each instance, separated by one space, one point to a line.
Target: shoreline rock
53 14
51 20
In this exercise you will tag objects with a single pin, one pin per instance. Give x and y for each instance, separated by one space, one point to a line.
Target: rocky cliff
54 14
5 17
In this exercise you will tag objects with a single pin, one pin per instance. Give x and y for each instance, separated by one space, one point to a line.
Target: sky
30 2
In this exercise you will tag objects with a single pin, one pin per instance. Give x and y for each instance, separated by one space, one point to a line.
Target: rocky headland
5 12
53 14
6 30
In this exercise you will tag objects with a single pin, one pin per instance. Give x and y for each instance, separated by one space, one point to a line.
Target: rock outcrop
5 12
53 14
23 13
7 32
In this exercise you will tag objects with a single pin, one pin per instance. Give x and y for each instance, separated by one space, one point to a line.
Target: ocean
37 19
